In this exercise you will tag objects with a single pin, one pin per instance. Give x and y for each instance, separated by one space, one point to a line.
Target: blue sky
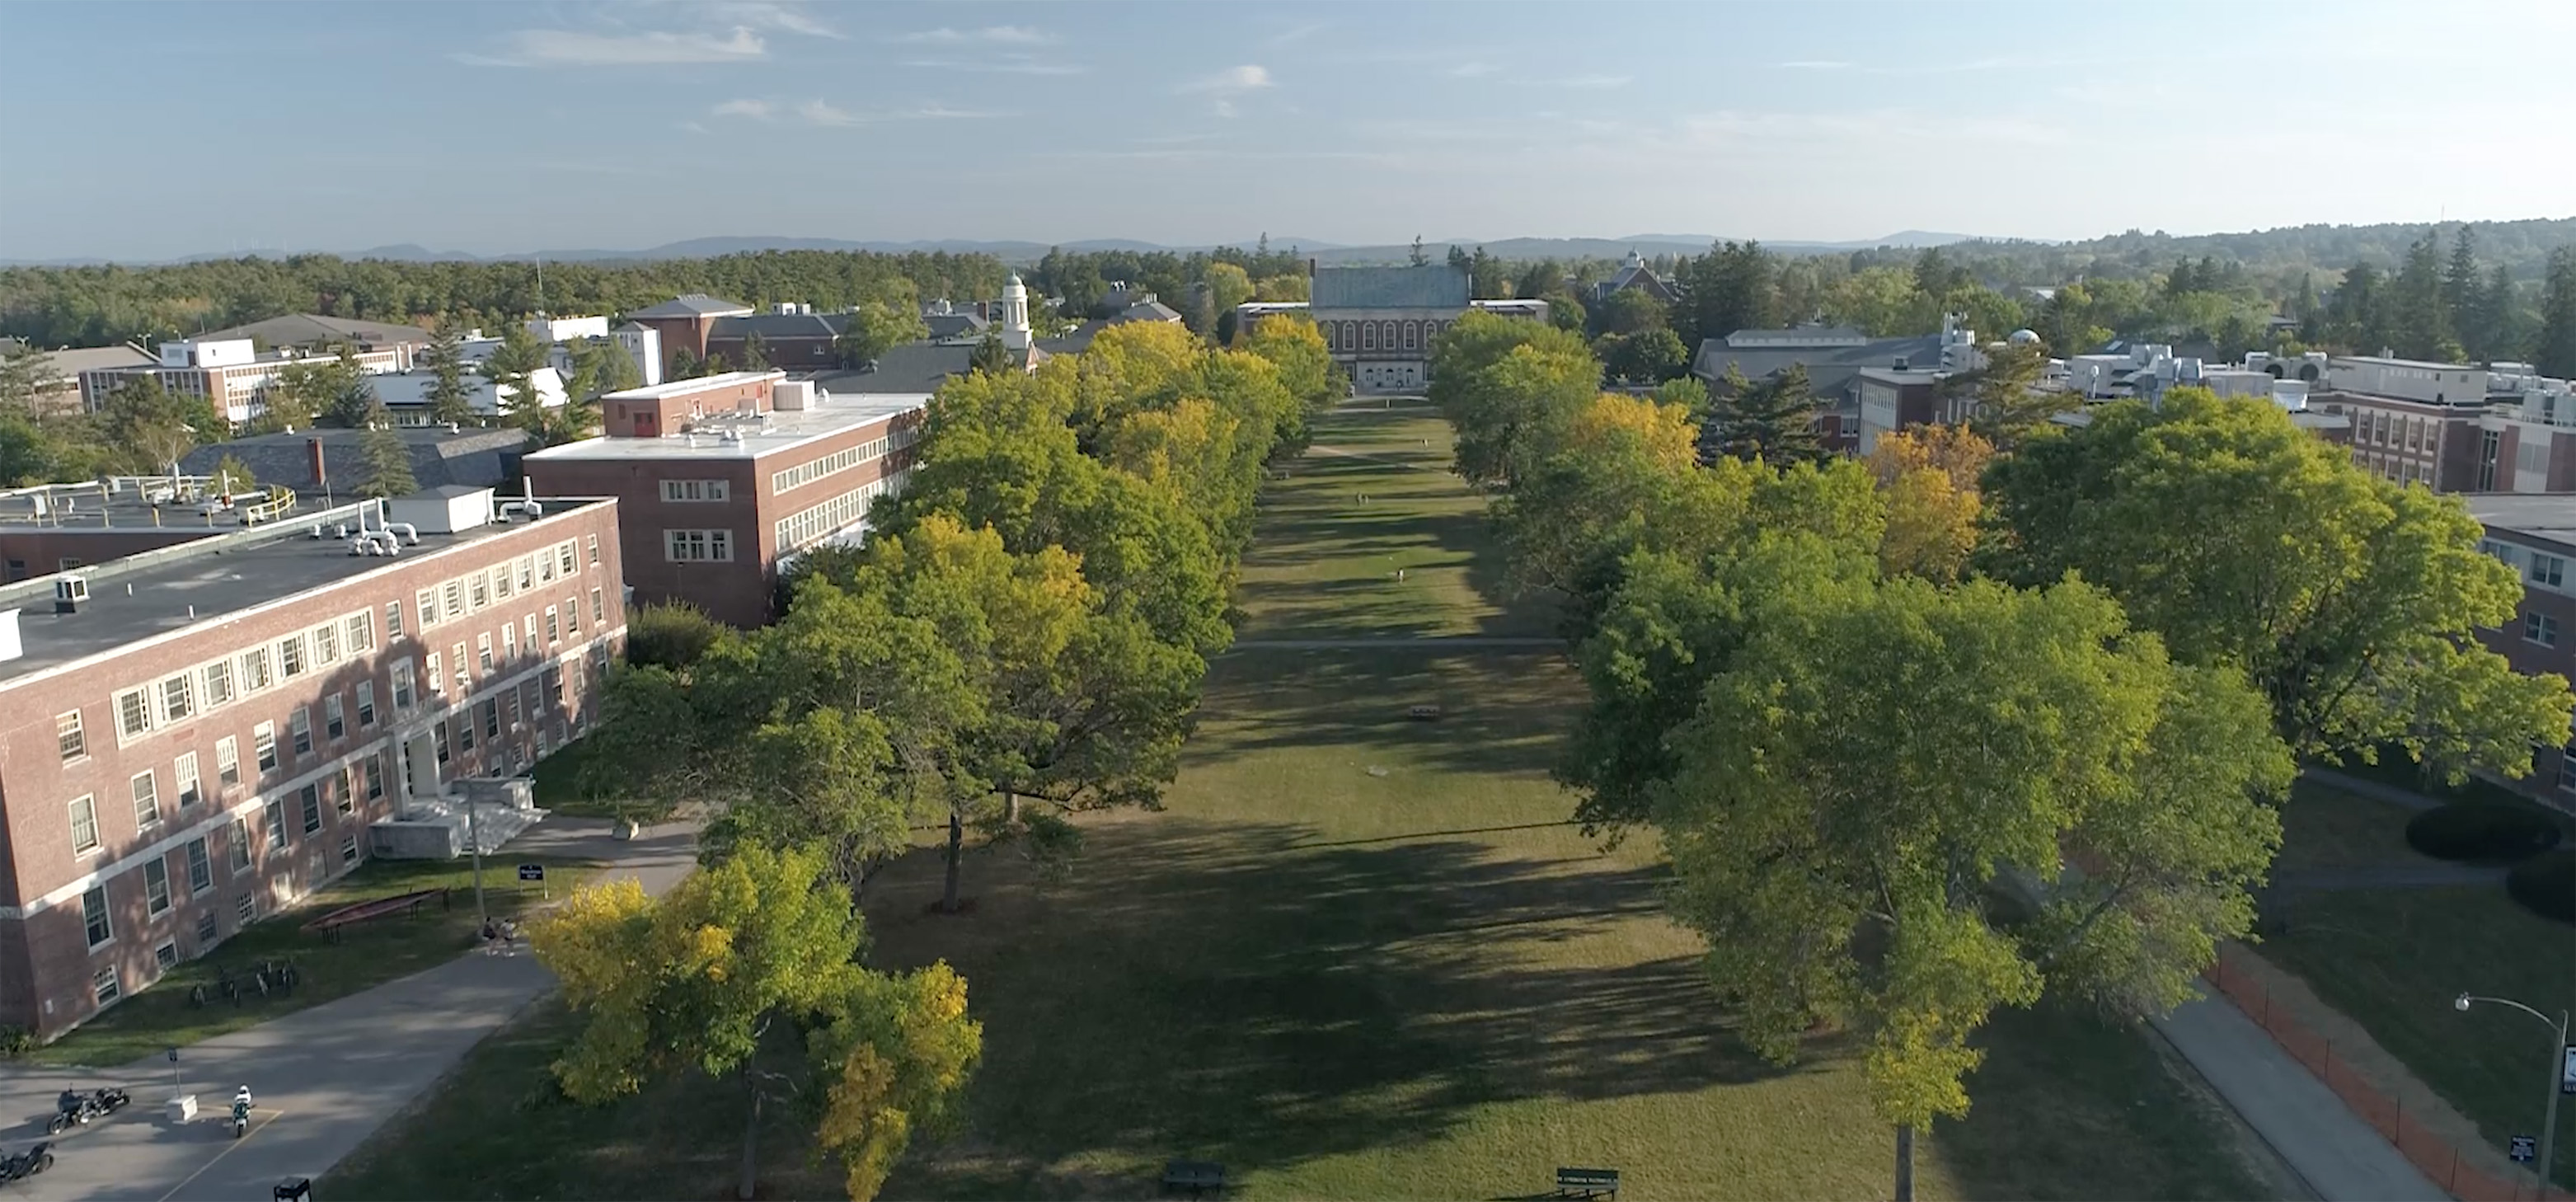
143 130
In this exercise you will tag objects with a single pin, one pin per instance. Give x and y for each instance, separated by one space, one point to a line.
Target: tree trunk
750 1147
1905 1164
1010 807
956 850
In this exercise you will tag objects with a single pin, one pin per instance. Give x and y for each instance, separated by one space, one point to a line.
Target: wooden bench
1587 1183
1196 1176
378 908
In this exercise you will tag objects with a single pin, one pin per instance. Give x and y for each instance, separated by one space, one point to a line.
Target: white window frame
144 790
366 705
135 713
184 777
263 746
326 644
228 761
106 917
156 886
690 492
291 659
201 863
71 739
82 811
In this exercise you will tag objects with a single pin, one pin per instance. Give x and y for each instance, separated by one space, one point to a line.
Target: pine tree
24 375
450 398
512 369
2554 351
1773 421
990 355
2423 321
388 460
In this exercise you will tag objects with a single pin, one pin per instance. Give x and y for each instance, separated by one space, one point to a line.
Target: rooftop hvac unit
70 593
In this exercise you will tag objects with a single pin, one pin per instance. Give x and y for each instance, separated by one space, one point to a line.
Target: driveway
325 1078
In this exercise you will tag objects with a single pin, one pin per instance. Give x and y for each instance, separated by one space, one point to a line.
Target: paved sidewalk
2388 876
325 1078
2338 1155
2375 790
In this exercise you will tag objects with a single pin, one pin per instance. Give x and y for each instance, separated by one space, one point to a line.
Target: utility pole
2557 1078
474 832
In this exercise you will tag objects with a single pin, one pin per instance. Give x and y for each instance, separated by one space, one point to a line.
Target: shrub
672 634
15 1042
2490 831
2546 885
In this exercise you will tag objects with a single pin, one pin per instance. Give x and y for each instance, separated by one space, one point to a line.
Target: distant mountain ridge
1022 252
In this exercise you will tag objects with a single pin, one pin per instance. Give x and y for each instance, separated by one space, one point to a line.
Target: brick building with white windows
721 479
1379 321
2536 535
194 736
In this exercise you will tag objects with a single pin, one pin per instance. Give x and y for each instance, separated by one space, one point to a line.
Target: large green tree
26 372
1772 419
2554 347
388 461
2352 604
451 399
750 971
1878 772
512 369
875 327
1509 387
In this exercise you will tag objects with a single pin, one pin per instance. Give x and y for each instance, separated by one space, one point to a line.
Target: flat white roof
766 434
672 388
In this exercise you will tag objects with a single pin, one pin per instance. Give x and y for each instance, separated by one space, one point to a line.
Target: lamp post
2557 1071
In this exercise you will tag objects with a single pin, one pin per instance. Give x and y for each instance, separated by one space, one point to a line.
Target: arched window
1412 335
1386 331
1368 336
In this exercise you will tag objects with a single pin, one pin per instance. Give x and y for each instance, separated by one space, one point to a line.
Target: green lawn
1357 956
364 956
2325 827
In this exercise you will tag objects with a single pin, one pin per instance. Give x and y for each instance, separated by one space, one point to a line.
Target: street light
2557 1071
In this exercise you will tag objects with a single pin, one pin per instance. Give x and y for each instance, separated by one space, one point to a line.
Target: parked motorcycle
79 1109
28 1163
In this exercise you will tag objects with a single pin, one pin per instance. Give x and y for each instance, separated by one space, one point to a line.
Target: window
393 619
348 849
465 733
530 624
483 650
510 643
2541 629
545 567
402 684
241 845
105 986
156 886
554 684
335 718
69 738
326 644
375 777
290 657
362 634
554 628
441 732
263 746
572 613
179 696
491 718
501 582
693 490
437 680
248 909
2548 569
527 571
805 526
94 914
454 593
207 933
594 550
219 683
255 670
510 702
565 560
462 679
698 546
184 773
299 730
84 824
479 590
166 954
147 799
133 713
343 798
228 760
598 608
201 867
366 704
428 600
1368 335
309 802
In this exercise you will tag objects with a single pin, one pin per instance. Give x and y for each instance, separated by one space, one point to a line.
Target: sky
142 131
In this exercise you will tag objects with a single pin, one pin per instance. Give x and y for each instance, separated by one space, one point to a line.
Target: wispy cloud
1472 70
1592 82
821 112
759 14
1296 33
581 48
1007 35
1008 64
1229 84
1815 64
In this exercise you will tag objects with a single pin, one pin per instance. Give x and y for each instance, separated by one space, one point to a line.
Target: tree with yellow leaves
1928 477
719 974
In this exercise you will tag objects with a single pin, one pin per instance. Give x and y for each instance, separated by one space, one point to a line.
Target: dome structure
2023 337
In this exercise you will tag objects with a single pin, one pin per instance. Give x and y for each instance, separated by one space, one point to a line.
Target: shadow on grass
1502 710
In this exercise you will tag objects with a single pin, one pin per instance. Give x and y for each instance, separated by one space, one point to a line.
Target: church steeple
1015 315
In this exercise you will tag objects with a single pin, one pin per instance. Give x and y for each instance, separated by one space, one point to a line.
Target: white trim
250 807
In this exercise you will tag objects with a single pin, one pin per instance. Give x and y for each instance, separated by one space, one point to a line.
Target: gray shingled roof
1434 286
780 325
695 304
912 367
1830 369
314 329
1147 309
954 325
473 458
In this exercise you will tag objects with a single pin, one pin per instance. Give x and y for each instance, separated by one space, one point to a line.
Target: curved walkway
325 1077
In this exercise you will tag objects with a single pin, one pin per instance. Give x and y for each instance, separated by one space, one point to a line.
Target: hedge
2488 831
2546 885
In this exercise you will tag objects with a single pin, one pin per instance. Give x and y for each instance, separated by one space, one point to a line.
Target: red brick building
2536 534
194 737
720 479
686 322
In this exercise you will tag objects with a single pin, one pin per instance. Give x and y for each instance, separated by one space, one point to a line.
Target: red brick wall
736 592
790 354
37 786
43 550
621 417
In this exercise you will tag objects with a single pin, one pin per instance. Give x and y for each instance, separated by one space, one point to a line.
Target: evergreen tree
1773 421
990 355
24 374
388 460
755 352
2554 351
512 369
450 398
2423 321
1735 286
2460 281
2359 312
